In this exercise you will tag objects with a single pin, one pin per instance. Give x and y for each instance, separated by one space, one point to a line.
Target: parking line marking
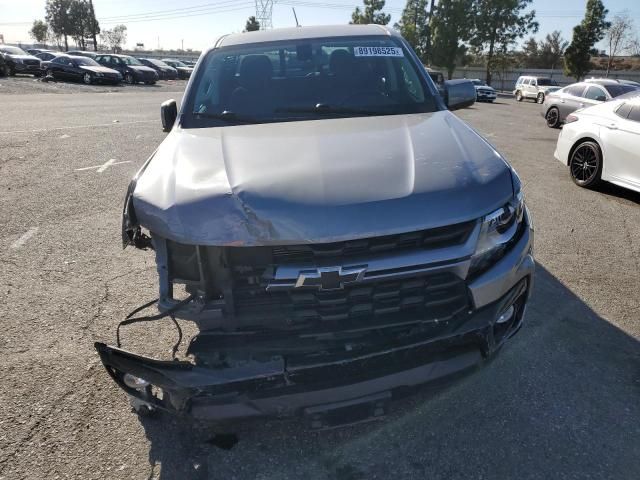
74 127
24 238
104 166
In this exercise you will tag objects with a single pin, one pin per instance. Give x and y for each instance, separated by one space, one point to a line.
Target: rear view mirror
459 94
168 114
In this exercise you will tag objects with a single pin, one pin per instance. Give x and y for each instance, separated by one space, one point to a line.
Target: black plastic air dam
271 388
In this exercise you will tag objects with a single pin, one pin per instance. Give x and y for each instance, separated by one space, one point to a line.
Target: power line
245 6
220 3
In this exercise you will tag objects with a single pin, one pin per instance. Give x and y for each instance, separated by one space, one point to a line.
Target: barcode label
378 52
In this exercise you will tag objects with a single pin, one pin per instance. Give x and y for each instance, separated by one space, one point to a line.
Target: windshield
131 61
13 50
545 82
617 90
89 62
158 63
307 80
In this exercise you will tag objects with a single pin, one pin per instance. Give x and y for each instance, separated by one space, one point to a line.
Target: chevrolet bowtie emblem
330 278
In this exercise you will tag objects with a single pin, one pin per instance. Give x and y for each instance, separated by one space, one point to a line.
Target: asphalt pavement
561 401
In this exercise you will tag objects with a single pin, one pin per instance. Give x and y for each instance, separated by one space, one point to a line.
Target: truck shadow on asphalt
559 401
612 190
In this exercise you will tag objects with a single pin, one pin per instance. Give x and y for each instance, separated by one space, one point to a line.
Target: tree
252 25
500 23
58 18
414 26
451 24
531 53
577 57
634 47
79 13
115 38
94 27
504 61
618 36
39 31
372 13
551 49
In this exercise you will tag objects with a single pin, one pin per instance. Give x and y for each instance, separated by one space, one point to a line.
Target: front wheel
86 78
553 117
585 164
540 98
128 78
518 96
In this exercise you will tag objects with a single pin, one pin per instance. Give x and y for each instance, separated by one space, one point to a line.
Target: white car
600 143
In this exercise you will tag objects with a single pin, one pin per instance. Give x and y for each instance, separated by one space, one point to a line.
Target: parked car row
600 143
558 105
90 67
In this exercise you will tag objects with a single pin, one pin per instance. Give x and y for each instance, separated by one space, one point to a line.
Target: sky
196 24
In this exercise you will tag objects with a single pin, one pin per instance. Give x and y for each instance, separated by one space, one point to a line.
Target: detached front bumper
362 381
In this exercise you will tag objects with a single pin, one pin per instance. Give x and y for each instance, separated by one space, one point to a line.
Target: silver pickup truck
335 232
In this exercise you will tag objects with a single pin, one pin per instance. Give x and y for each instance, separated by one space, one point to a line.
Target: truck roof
299 33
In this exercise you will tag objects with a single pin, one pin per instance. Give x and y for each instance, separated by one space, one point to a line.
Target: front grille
433 296
448 236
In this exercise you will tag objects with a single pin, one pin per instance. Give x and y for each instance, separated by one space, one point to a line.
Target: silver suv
334 231
534 88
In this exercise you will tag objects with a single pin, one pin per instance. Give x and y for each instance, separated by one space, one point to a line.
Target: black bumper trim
270 389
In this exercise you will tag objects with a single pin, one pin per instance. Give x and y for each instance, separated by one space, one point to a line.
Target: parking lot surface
561 401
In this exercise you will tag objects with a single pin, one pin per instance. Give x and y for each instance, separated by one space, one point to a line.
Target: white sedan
602 143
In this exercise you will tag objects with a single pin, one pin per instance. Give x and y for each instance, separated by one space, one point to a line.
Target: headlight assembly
498 231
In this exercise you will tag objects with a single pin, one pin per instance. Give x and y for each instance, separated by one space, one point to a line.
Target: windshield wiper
325 109
228 117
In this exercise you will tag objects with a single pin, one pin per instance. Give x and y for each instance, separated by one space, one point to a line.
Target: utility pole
264 14
182 42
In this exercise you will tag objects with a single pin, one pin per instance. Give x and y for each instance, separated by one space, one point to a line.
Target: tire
540 98
519 97
553 117
585 164
87 79
12 72
6 71
128 78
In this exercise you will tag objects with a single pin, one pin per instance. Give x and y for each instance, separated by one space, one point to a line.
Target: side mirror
459 94
601 98
168 114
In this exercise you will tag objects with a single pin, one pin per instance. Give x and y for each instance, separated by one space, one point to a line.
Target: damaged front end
318 329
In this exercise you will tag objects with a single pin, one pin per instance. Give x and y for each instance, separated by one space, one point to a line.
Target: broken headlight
500 229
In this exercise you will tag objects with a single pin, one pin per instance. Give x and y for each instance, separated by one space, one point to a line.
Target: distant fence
508 80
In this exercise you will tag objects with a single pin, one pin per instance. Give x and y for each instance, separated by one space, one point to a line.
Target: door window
634 114
623 110
595 93
575 90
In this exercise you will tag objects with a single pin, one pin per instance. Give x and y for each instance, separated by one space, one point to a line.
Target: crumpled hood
319 181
